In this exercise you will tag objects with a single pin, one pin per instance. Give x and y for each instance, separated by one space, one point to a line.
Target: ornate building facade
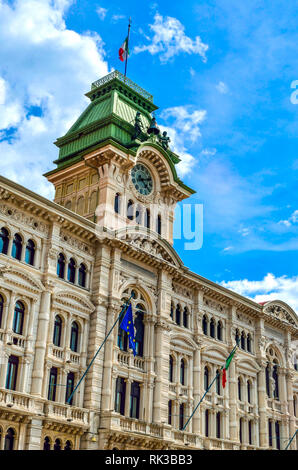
67 267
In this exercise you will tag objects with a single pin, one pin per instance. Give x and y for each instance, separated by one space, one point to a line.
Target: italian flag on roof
124 51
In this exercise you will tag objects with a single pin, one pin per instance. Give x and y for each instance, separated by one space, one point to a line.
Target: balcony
129 360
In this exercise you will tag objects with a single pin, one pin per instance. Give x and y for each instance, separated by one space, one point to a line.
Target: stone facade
63 280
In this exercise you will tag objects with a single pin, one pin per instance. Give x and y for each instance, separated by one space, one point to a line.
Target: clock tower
115 167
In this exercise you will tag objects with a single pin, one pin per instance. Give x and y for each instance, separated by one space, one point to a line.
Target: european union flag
127 325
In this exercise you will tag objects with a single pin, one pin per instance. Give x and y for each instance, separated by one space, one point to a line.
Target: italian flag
124 51
228 362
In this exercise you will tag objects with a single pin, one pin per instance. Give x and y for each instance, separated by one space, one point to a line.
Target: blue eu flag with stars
127 325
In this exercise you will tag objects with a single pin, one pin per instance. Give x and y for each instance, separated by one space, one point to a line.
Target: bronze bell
153 129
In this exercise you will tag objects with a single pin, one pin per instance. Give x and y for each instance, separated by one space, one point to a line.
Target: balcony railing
122 78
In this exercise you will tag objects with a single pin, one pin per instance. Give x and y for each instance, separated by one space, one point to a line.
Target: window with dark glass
117 203
68 445
139 332
57 331
275 378
240 430
206 378
172 311
267 375
178 314
74 336
219 330
237 337
46 443
171 369
170 408
147 218
69 387
277 435
61 266
135 400
249 432
182 372
270 432
242 340
82 275
130 210
57 445
17 246
218 380
4 240
181 416
248 392
71 271
18 319
120 395
138 214
206 423
12 372
122 335
248 342
1 309
205 325
52 384
158 228
9 439
185 317
218 422
30 252
239 389
212 328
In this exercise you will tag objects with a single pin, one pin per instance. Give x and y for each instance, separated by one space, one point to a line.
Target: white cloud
222 88
270 288
101 12
46 66
169 39
293 219
116 18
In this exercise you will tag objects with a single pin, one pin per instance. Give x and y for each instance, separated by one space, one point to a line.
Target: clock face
142 179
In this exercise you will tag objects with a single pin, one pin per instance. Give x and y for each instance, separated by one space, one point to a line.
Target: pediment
281 311
182 341
247 366
150 243
214 354
67 299
20 278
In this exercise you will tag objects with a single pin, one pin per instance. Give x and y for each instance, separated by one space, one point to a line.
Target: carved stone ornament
74 242
150 246
279 312
24 219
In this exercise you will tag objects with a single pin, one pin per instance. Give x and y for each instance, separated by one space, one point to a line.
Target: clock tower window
130 209
158 224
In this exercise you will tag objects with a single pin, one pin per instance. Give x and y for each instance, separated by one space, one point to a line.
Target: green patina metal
111 118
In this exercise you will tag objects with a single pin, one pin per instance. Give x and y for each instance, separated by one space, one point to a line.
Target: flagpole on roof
93 359
129 24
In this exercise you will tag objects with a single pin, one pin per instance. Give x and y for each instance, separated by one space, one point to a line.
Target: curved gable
18 277
282 311
67 299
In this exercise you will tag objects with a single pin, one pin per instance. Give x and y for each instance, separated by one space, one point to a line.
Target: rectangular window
135 400
52 384
249 432
277 435
69 387
170 405
120 396
12 372
206 423
270 432
181 416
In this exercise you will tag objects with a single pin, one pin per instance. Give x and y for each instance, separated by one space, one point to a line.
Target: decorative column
127 397
196 388
10 312
292 419
161 382
262 403
41 342
232 384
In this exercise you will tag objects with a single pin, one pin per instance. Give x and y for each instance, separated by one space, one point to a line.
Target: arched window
57 331
182 372
82 275
170 411
171 369
185 317
275 378
237 337
122 336
68 445
219 330
30 252
181 416
71 271
205 325
17 246
61 266
147 218
9 439
4 240
206 378
47 443
74 336
120 391
18 319
212 328
130 210
206 423
243 340
139 214
178 314
12 372
139 331
1 309
52 384
218 423
248 342
117 203
239 389
57 445
248 391
267 374
158 224
69 387
218 380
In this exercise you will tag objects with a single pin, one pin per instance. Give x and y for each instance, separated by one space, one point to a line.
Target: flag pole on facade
224 369
290 441
127 304
129 23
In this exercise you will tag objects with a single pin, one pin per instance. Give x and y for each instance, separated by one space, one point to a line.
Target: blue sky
220 72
